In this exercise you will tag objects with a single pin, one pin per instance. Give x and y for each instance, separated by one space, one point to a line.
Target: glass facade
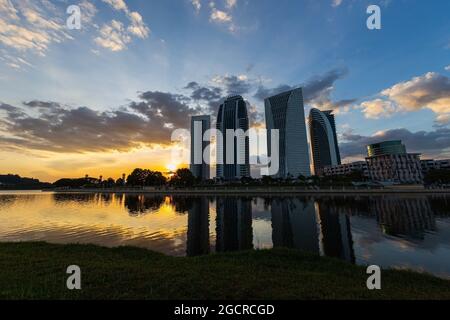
324 145
386 148
233 115
285 113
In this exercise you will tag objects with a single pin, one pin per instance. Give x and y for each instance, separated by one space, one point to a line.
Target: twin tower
284 112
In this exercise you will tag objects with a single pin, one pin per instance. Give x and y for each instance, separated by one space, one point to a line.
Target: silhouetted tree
183 178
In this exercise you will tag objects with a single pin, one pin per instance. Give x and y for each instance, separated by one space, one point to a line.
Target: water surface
398 231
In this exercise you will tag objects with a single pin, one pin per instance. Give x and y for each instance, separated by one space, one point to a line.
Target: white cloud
443 119
27 26
120 36
447 68
197 5
113 36
220 16
8 10
378 108
117 4
336 3
429 91
231 3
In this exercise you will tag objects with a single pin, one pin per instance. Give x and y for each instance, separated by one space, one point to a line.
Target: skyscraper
324 145
199 164
285 112
232 115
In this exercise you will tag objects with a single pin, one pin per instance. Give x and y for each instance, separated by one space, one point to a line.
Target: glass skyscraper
285 112
200 164
324 144
233 115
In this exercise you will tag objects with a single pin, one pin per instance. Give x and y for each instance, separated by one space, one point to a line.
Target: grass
38 271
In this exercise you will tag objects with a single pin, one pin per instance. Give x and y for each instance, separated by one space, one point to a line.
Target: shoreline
134 273
255 191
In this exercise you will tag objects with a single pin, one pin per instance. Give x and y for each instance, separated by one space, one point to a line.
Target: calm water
391 231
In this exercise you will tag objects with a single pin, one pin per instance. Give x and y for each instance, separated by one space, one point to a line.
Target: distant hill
14 181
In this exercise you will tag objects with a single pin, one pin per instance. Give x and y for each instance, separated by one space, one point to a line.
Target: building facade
347 168
285 112
324 144
233 115
386 147
430 164
200 167
389 162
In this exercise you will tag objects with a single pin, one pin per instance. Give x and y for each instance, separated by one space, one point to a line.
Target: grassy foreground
38 271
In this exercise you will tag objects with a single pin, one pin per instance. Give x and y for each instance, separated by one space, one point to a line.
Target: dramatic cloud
435 144
316 91
378 108
50 126
429 91
234 85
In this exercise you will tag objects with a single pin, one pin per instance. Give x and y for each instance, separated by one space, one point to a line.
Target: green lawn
37 271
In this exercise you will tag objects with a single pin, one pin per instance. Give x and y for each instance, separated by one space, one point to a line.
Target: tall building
198 228
199 164
234 229
285 112
324 144
388 161
232 115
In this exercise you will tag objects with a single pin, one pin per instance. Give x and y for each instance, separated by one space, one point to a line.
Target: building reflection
335 237
294 224
311 226
410 217
234 224
198 227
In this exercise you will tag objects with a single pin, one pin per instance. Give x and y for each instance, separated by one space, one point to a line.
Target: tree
267 180
183 178
137 177
155 178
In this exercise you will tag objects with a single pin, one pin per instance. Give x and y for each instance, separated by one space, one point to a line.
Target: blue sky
388 83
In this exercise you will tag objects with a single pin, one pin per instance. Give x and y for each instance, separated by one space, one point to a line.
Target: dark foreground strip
220 309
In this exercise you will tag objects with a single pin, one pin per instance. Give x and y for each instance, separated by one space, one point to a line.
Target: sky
105 98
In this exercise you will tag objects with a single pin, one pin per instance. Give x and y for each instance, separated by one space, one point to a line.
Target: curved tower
232 115
285 112
324 145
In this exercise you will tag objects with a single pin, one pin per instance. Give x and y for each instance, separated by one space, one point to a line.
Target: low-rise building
430 164
347 168
389 162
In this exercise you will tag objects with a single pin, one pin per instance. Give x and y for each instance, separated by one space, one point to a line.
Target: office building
285 112
430 164
324 144
389 162
347 168
232 115
200 167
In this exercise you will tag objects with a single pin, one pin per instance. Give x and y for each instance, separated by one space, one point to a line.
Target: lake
398 231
